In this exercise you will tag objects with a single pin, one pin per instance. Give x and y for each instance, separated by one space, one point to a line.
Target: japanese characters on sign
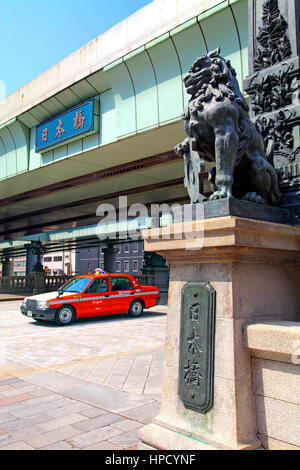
67 126
196 356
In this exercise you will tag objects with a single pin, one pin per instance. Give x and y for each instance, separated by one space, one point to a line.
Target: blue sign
66 126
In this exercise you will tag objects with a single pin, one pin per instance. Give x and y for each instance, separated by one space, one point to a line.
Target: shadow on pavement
101 319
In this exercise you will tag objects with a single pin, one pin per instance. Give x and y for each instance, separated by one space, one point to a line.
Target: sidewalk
89 386
92 405
11 297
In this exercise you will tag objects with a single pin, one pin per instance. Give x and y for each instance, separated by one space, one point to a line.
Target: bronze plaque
197 346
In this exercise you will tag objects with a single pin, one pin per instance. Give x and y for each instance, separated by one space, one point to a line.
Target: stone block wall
275 355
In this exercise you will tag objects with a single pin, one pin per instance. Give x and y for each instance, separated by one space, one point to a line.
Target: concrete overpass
134 72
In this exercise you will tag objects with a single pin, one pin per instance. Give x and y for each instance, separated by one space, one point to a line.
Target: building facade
129 258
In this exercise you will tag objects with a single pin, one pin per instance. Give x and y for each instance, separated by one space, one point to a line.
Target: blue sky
36 34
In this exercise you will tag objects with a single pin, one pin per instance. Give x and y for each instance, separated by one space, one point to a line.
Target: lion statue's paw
182 148
254 197
221 194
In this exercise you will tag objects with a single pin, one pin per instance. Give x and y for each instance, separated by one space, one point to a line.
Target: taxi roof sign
99 271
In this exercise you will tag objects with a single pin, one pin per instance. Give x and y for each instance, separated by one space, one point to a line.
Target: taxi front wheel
136 308
65 315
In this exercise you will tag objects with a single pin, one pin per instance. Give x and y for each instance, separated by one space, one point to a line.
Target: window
77 284
20 263
99 285
126 248
135 265
120 283
89 267
135 247
126 266
57 258
118 266
48 259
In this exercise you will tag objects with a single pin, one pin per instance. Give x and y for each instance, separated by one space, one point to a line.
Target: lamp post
38 250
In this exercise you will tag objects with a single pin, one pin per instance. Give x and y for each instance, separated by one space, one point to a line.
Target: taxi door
121 295
96 299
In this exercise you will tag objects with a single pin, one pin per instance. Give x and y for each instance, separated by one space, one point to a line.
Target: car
92 295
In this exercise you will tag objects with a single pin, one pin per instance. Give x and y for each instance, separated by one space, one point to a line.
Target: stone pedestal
254 269
30 260
7 265
39 281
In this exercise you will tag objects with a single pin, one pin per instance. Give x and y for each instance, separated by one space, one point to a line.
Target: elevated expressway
135 72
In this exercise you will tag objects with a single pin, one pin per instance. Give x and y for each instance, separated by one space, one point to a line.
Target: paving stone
102 369
93 437
127 439
41 392
144 414
77 407
32 410
98 422
106 398
127 425
13 381
6 388
93 412
15 399
26 389
53 380
18 424
53 397
20 435
51 437
18 446
61 422
104 445
59 446
6 417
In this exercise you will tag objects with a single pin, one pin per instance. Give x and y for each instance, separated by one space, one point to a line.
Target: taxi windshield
77 284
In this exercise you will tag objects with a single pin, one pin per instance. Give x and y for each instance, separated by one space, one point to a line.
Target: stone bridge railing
53 283
145 280
16 284
30 284
40 283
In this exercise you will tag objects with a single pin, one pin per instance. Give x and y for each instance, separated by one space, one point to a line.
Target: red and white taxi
92 295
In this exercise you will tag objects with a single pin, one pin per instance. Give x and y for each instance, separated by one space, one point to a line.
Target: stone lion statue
217 122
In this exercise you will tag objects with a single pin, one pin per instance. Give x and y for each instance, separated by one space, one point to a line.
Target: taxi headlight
42 305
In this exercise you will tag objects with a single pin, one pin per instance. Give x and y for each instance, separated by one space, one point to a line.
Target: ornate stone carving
217 121
274 45
272 91
273 87
278 136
